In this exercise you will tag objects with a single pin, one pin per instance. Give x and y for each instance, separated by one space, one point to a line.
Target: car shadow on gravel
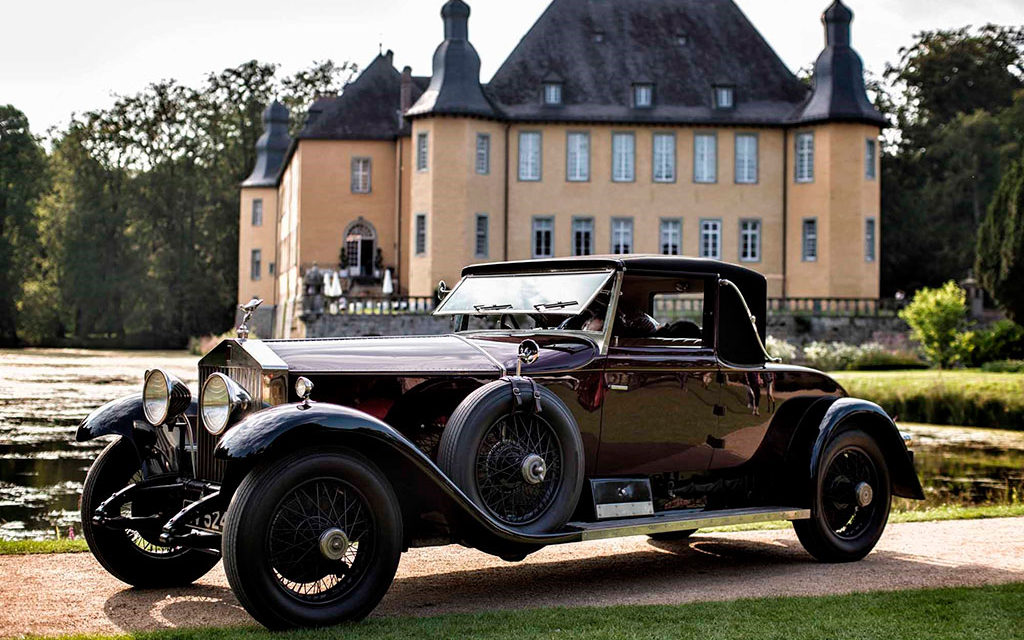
199 605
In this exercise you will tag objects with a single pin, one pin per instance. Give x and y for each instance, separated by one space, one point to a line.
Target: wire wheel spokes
311 511
847 471
508 444
146 545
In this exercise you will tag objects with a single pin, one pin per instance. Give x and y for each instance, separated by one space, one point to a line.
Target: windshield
558 294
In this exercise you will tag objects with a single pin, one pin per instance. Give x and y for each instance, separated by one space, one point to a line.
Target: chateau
626 126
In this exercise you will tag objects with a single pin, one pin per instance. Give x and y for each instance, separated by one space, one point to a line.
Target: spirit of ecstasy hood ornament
248 309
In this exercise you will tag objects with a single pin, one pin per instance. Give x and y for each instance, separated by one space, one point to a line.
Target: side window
661 309
257 212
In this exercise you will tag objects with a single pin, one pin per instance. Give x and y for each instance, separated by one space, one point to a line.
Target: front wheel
851 500
131 556
312 539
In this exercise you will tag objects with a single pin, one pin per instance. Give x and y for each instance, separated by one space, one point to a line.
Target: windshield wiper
554 305
491 307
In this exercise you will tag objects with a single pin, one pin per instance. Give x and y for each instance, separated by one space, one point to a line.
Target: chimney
406 92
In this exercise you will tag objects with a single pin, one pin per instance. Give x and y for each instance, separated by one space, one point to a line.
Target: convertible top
736 343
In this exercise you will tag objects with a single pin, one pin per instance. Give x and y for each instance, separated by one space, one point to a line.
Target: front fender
255 435
871 418
117 417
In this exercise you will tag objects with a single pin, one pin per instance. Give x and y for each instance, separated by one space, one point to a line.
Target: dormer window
553 93
724 97
643 96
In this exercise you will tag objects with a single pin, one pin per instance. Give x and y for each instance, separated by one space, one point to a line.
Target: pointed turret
839 94
271 147
455 86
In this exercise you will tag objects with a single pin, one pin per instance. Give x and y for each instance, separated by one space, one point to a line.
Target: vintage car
559 409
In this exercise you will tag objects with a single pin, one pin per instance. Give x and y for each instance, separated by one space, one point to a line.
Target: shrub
1002 341
938 322
876 357
778 348
1004 366
831 356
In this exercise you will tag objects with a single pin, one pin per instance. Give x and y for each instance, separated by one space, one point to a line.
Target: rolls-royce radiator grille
208 467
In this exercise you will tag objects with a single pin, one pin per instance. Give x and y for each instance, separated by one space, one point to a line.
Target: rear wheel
312 539
130 556
851 500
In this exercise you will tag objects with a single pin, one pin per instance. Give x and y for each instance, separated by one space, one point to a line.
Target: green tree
23 180
938 322
1000 263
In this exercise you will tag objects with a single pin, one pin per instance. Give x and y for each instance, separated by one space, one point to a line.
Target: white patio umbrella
389 286
336 289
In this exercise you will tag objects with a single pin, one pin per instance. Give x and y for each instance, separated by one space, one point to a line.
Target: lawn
992 613
967 397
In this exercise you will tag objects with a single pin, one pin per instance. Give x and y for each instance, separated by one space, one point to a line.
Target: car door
747 406
659 408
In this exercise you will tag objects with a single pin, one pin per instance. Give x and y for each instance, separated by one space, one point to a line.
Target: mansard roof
368 109
685 47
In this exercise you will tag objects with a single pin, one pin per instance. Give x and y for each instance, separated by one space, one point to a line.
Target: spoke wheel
306 522
850 502
519 468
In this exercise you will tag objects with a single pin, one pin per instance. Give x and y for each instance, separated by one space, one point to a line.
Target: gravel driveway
63 594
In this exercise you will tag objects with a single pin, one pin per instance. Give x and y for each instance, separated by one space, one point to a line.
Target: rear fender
264 433
873 420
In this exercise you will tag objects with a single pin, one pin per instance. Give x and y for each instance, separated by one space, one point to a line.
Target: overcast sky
58 56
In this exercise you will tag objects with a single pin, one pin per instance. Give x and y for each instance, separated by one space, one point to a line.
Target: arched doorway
360 248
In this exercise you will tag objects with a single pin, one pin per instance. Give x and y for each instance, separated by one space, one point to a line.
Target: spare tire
522 466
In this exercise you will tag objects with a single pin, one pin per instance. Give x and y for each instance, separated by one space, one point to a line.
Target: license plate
212 522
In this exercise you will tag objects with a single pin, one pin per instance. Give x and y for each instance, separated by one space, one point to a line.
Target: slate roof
368 109
684 47
271 147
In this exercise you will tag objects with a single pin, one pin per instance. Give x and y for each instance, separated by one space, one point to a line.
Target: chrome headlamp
221 398
164 397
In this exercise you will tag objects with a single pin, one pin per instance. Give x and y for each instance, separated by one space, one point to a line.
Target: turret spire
271 147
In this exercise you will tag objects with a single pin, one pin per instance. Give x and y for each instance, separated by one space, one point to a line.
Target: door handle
618 387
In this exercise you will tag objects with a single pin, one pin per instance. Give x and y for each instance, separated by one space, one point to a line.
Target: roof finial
837 19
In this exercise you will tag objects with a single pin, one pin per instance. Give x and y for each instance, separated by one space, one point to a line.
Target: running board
669 521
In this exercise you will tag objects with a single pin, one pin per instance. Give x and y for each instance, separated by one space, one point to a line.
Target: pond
45 392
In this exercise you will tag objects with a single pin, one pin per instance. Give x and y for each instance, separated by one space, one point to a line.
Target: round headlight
164 397
221 397
156 397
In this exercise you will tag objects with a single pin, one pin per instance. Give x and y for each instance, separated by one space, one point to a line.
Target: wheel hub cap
534 469
333 544
864 493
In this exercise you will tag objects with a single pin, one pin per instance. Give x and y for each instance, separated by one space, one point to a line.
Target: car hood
476 354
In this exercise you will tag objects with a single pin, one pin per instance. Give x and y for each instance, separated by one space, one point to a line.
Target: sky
59 57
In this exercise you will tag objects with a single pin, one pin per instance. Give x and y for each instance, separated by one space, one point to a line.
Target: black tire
673 536
125 554
841 529
271 555
475 439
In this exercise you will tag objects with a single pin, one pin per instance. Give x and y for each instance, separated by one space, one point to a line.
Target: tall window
256 264
553 93
664 157
543 237
671 237
746 158
582 236
869 240
711 239
623 157
483 154
360 175
257 212
870 163
622 235
421 234
724 98
643 96
705 157
810 239
483 244
750 240
577 160
422 152
805 157
529 155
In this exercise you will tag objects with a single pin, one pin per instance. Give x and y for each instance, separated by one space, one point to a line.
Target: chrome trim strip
263 355
624 509
501 368
681 520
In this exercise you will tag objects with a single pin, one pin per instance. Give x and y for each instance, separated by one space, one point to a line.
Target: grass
966 397
992 613
933 514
